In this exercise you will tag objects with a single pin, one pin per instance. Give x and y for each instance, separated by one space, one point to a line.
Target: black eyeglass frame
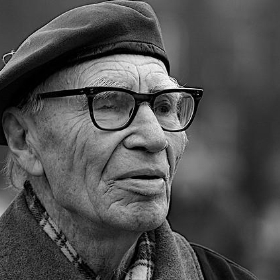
90 92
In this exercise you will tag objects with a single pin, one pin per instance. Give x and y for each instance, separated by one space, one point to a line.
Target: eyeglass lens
113 109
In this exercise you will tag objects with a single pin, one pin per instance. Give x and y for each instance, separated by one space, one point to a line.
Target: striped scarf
143 263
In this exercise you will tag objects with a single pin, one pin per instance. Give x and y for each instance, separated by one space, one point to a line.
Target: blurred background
226 195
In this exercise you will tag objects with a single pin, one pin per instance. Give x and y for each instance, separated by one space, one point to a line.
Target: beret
86 32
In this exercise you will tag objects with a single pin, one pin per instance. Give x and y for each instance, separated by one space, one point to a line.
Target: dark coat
26 252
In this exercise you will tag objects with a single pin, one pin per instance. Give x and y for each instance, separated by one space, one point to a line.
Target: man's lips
143 174
145 182
152 187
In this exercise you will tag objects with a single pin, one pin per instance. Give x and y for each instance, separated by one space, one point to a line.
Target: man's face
116 179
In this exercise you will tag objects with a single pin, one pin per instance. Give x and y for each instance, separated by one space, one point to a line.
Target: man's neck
107 252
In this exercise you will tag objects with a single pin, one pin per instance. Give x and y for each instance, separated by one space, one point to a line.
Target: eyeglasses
114 108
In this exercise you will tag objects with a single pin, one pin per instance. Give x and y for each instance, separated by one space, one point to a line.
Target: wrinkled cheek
180 143
168 193
120 208
100 195
112 195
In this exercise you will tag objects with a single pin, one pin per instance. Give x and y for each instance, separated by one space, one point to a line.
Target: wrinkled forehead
134 72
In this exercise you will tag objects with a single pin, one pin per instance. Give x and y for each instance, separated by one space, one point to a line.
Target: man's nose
147 133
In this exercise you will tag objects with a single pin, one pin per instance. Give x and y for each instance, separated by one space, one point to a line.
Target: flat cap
87 32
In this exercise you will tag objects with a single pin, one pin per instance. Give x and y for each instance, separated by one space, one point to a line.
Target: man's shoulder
9 223
215 266
26 252
10 239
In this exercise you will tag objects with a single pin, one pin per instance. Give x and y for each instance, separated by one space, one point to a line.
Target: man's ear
16 128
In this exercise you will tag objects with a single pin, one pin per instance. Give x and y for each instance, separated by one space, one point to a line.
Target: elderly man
95 130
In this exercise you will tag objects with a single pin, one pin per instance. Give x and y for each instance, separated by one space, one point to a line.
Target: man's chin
142 220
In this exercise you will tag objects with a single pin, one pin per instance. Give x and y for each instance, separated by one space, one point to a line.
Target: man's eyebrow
103 81
163 86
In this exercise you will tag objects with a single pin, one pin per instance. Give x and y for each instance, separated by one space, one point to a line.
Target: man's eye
104 102
106 107
163 108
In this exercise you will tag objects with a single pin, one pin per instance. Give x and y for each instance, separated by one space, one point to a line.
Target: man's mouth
145 182
145 177
143 174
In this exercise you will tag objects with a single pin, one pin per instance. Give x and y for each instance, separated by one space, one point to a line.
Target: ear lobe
15 129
